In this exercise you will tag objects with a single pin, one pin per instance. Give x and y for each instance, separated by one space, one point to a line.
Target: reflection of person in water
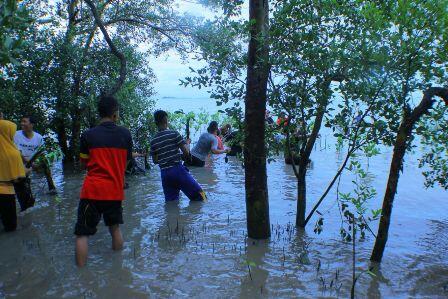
175 229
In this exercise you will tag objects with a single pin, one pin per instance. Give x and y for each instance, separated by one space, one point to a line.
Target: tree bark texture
401 143
257 204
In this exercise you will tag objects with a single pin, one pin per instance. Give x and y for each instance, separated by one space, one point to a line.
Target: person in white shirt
28 142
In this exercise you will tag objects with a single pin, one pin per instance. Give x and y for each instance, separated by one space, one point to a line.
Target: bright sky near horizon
169 67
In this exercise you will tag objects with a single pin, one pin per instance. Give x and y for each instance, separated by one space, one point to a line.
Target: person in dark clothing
105 151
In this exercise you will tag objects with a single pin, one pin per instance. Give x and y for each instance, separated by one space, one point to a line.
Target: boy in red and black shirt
105 150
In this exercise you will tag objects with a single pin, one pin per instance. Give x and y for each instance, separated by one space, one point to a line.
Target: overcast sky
169 68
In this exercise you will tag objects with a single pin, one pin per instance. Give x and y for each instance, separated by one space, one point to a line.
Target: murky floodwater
200 249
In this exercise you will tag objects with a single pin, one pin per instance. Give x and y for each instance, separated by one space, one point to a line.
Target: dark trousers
195 162
24 193
8 212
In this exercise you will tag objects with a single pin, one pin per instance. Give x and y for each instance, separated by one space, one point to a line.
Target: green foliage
14 20
66 63
198 121
354 205
434 132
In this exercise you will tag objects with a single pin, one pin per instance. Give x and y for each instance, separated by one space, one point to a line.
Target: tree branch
115 88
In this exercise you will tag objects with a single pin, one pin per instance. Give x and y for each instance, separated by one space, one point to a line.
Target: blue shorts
178 178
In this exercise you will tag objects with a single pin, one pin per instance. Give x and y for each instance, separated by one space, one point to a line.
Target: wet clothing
193 161
165 148
25 196
106 150
28 146
165 151
177 178
90 212
203 147
10 158
8 212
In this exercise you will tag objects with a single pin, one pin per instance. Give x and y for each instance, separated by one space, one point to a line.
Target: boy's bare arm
185 148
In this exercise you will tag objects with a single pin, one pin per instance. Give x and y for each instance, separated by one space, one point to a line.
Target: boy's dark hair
107 106
31 118
212 127
160 116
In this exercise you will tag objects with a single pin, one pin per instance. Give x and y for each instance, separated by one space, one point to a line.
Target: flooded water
175 250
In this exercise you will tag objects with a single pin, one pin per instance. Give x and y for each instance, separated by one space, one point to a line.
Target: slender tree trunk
392 183
304 160
257 204
401 144
62 112
62 136
76 134
301 198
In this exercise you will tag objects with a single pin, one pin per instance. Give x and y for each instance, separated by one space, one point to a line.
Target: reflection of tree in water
178 227
428 273
254 284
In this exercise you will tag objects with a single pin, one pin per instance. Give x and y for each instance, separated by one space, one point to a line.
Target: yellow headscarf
11 164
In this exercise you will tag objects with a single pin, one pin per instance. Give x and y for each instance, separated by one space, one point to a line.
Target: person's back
204 146
165 151
166 145
106 149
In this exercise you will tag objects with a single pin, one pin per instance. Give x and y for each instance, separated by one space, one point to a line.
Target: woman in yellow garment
11 170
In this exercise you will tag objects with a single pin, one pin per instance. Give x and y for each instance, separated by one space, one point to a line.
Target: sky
169 68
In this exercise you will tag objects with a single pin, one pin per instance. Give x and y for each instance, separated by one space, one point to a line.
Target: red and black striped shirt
106 150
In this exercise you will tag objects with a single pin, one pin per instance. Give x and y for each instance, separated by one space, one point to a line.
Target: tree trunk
401 143
76 134
304 160
392 182
301 198
62 112
62 136
257 204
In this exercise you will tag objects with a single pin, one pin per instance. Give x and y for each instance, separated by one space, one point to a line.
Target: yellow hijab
11 164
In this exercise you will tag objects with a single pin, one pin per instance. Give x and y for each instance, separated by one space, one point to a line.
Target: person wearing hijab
11 170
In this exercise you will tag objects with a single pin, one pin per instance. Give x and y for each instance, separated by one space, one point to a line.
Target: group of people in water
105 152
19 156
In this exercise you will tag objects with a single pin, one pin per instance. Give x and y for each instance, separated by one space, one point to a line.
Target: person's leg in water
189 185
170 184
24 193
117 237
81 250
113 216
88 219
8 212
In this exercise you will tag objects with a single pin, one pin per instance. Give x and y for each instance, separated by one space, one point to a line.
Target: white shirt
28 146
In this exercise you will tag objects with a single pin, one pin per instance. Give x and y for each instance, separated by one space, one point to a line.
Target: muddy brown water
200 250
